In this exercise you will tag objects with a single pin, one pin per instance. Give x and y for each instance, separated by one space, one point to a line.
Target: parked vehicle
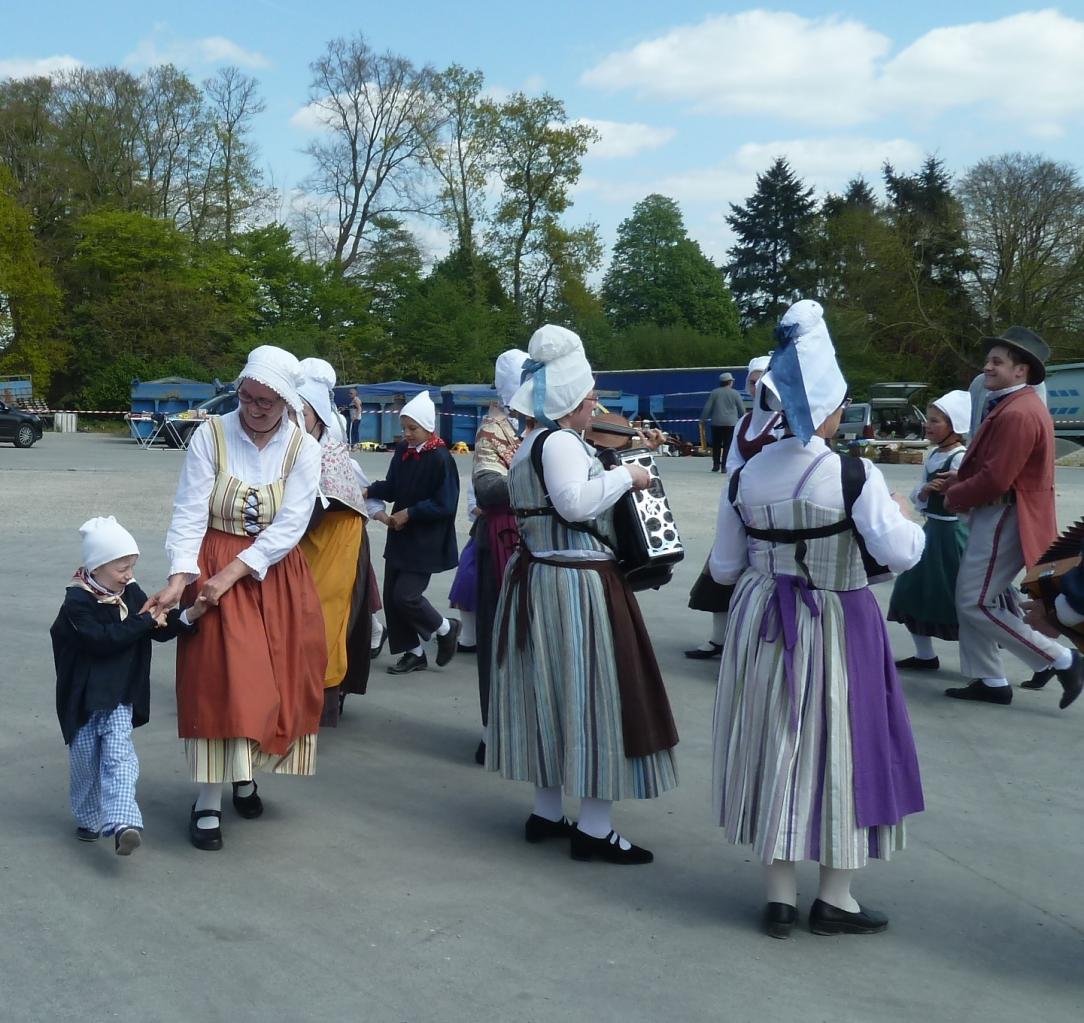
894 411
181 425
18 426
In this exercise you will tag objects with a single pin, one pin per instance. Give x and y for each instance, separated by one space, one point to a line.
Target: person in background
422 486
722 411
924 597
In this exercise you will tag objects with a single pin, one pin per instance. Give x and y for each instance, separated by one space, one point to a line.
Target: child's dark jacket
102 662
427 485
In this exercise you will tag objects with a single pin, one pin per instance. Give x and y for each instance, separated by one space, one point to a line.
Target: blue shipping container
169 394
380 405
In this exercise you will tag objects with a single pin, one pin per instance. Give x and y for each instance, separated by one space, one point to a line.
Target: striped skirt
783 772
555 706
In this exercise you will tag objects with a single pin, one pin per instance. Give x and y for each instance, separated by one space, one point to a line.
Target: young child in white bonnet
102 652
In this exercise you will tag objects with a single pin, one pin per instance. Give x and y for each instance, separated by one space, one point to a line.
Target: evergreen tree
770 265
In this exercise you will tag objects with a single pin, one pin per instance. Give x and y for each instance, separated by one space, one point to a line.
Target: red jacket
1013 450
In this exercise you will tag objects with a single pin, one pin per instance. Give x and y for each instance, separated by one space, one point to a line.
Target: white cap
557 375
804 379
508 373
957 407
105 540
759 364
421 409
319 379
278 369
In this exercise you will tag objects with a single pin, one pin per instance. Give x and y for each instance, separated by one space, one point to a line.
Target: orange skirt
254 668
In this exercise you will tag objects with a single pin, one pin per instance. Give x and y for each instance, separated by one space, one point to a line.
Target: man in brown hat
1006 483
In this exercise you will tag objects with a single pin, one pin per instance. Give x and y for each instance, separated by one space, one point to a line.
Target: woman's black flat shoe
538 829
207 839
826 919
480 754
250 806
585 847
779 919
919 664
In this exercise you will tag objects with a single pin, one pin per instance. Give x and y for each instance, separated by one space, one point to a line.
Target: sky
692 100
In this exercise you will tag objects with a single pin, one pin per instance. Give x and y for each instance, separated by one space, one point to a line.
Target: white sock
1063 660
718 627
836 889
995 683
594 820
547 802
209 798
443 628
781 882
418 650
245 789
377 633
923 647
468 635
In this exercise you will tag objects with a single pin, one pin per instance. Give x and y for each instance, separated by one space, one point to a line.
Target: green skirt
924 597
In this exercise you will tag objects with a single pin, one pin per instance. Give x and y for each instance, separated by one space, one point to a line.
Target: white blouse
891 538
566 462
256 467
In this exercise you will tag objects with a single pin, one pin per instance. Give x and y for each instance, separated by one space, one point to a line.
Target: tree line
139 237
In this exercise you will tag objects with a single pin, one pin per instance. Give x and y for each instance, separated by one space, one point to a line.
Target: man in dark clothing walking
722 410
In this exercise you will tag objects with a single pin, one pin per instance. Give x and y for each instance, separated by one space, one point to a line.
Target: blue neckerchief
786 373
536 371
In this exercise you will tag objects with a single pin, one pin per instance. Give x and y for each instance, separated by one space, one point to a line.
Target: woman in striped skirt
577 705
250 682
814 757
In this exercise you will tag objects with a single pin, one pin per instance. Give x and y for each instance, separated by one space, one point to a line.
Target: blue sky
692 99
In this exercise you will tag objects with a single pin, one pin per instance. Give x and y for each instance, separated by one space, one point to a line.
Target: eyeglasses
263 404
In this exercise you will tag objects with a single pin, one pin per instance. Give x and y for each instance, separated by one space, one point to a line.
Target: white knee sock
923 647
417 651
781 882
836 889
718 627
468 635
442 629
209 798
246 789
995 683
377 633
547 802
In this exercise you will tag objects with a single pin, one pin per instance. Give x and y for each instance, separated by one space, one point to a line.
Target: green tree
659 275
770 263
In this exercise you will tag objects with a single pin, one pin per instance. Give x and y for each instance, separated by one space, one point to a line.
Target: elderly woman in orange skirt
250 683
336 546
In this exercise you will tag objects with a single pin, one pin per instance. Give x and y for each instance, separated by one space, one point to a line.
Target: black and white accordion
648 542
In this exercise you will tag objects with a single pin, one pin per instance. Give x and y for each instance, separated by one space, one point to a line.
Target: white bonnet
556 375
508 373
278 369
105 540
421 409
957 407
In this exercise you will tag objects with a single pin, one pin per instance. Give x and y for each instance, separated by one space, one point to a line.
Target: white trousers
987 609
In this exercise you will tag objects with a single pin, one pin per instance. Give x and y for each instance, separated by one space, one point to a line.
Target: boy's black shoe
207 839
409 662
1039 679
1072 680
447 643
86 835
976 689
126 841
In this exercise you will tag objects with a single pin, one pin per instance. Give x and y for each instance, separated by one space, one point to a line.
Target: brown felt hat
1033 347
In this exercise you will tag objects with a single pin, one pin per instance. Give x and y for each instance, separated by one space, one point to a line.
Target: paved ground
395 886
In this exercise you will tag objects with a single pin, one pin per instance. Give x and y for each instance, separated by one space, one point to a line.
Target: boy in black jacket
102 652
423 486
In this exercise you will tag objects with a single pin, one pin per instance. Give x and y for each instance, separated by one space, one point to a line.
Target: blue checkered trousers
104 772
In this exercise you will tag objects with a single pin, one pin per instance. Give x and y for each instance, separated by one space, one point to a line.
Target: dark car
19 427
181 425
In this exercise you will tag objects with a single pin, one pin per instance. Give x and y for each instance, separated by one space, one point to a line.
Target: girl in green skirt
924 597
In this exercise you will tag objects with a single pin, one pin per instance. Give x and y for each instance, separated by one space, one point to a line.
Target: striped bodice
547 532
238 507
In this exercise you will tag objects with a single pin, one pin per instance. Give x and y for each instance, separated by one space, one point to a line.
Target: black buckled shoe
978 690
705 655
207 839
409 662
1039 679
586 847
919 664
250 806
826 919
126 840
538 829
779 919
446 644
1072 681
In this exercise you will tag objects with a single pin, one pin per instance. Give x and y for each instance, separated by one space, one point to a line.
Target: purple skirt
464 592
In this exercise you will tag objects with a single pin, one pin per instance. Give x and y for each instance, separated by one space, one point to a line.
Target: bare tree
169 126
377 112
1025 225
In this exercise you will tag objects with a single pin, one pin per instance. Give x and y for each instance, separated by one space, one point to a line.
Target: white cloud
312 117
33 67
756 62
164 47
534 84
621 139
1026 68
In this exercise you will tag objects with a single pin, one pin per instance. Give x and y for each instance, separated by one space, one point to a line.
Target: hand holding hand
167 597
198 609
399 519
